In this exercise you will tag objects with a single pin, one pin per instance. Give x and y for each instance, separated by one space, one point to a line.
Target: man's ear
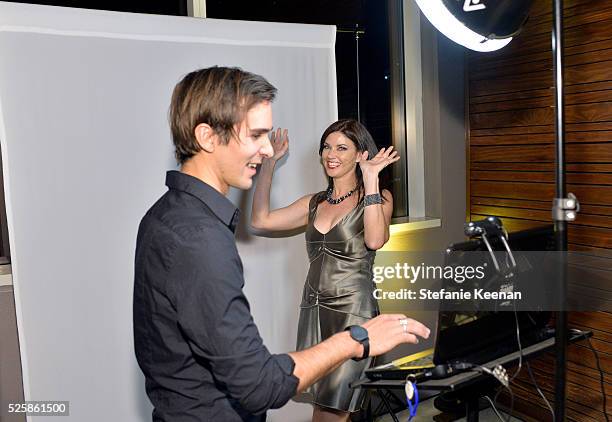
205 135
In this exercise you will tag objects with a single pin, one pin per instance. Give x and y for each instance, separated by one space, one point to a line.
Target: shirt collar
218 203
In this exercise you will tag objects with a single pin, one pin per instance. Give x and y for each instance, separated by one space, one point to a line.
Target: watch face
359 333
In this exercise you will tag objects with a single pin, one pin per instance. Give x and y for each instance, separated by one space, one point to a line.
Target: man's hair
217 96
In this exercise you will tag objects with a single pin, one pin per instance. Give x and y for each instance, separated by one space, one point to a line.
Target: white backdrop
85 146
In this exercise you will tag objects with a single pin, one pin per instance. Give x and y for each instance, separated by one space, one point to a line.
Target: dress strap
314 203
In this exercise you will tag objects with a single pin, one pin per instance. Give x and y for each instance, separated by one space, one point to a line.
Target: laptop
475 337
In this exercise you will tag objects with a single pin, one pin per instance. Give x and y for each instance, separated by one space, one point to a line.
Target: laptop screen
480 336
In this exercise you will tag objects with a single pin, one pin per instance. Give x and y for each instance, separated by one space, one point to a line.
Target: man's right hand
389 330
384 333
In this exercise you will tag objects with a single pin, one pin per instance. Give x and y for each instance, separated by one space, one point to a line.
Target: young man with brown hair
195 338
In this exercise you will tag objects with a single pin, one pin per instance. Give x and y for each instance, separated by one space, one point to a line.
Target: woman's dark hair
363 141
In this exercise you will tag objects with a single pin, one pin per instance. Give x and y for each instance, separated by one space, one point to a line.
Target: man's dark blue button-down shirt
195 339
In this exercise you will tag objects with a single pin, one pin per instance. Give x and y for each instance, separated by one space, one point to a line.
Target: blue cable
412 407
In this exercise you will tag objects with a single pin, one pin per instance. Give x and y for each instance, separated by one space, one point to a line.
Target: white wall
85 145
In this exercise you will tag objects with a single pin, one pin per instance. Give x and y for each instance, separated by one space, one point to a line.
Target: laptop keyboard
424 362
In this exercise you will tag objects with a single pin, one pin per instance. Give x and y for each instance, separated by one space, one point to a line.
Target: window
369 64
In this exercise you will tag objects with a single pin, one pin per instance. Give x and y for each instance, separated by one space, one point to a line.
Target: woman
345 225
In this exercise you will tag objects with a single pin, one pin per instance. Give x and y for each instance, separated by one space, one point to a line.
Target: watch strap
366 350
364 342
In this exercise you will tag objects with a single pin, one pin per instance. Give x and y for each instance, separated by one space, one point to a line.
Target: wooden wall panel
510 115
596 152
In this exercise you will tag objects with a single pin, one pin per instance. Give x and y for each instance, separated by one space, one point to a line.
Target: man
195 339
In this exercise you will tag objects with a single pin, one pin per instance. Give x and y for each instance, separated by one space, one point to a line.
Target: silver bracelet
372 199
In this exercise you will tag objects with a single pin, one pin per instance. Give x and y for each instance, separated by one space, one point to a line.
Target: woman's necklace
328 196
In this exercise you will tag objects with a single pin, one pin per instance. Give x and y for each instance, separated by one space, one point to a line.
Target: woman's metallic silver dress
338 292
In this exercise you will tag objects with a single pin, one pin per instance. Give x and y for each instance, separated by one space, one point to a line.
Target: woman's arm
290 217
376 218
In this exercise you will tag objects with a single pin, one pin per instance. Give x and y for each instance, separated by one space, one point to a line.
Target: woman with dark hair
345 225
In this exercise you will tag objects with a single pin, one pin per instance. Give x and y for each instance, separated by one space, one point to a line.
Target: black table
464 380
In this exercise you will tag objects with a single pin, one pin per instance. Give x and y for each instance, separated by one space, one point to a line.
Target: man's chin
243 184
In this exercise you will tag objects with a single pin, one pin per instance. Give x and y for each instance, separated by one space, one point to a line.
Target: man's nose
266 148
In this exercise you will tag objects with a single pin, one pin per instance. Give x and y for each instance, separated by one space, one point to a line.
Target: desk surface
464 379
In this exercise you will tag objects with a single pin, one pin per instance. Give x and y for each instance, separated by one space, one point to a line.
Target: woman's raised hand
280 143
381 160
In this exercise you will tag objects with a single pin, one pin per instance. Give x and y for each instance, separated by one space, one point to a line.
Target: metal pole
357 71
399 171
560 225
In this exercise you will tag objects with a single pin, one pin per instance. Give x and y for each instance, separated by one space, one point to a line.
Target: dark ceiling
327 12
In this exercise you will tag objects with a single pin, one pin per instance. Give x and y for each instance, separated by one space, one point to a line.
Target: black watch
360 334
